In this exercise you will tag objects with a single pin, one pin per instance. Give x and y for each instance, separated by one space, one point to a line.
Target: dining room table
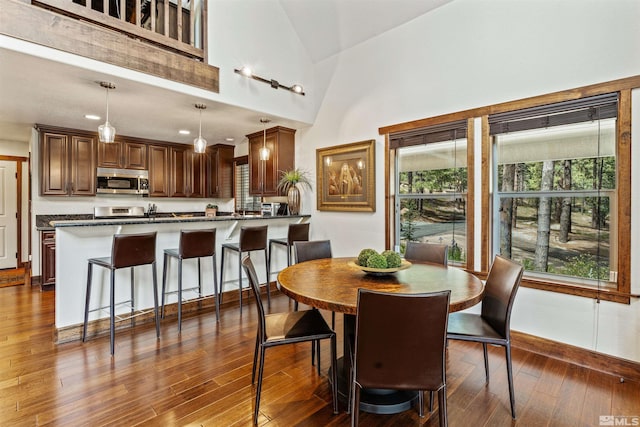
332 284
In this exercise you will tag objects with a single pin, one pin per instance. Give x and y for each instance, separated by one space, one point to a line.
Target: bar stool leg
266 263
240 278
199 285
215 287
133 299
112 315
86 303
222 273
155 298
164 279
179 294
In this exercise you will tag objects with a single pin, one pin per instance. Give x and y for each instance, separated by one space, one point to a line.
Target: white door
8 214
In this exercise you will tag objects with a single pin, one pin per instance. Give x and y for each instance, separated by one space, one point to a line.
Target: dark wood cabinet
197 176
67 163
158 170
187 177
122 155
220 171
48 260
265 174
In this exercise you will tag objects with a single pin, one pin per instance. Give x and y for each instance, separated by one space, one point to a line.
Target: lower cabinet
48 260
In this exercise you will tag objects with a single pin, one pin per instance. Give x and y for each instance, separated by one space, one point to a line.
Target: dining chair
491 326
427 252
287 328
390 354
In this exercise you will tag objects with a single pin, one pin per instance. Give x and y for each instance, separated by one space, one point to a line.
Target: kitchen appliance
118 212
122 181
269 209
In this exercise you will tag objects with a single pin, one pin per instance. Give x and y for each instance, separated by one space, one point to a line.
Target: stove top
118 212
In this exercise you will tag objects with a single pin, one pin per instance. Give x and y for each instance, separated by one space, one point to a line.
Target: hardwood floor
203 377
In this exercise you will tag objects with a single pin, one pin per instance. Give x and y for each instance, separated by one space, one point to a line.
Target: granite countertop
50 222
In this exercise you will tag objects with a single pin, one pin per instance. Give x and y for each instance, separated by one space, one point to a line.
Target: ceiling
37 90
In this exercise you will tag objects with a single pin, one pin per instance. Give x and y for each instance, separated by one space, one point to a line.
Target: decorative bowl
381 271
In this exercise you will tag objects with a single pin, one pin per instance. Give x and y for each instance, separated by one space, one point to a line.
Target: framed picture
346 177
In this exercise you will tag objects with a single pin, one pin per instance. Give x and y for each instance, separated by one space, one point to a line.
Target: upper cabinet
158 170
265 174
220 171
187 177
67 162
123 155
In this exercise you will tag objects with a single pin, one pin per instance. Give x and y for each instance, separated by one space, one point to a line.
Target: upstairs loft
149 36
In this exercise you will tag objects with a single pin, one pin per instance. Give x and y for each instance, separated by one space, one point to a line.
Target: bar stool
295 233
193 244
251 239
127 250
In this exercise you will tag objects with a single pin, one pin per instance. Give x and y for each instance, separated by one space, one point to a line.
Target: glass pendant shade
106 132
199 144
264 151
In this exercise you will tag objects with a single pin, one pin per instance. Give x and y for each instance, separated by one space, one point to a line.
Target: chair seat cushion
279 241
102 261
232 246
172 252
296 324
472 326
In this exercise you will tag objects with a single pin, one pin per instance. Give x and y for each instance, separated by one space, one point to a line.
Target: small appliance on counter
118 212
269 209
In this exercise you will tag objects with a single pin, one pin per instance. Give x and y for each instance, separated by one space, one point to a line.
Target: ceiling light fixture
106 132
200 144
247 72
92 117
264 151
184 132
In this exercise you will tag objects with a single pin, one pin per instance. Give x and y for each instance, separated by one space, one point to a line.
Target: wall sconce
106 132
199 143
247 72
264 151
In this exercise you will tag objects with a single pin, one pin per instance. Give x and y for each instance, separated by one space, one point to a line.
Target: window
244 201
431 187
554 189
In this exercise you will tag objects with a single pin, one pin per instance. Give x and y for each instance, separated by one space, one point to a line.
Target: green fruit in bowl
377 261
393 259
364 256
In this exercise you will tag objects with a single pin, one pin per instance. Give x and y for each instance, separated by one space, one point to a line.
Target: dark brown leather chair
427 252
315 249
127 251
295 233
391 352
287 328
193 244
251 239
491 326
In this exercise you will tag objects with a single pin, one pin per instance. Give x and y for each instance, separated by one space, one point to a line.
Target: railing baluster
153 15
179 20
192 20
166 17
123 10
138 12
105 6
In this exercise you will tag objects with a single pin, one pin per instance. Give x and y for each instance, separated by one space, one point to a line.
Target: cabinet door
212 172
262 172
83 166
135 155
54 167
48 261
197 184
158 171
110 155
179 185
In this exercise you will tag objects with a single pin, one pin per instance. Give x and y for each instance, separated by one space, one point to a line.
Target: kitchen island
80 239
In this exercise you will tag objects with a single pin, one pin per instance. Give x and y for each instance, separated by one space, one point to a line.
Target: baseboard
623 368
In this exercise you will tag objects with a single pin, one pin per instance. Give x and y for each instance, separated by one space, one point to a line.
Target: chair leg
255 358
355 405
333 320
221 273
334 373
164 279
512 398
133 298
199 285
421 403
156 313
86 302
442 406
240 279
112 315
486 360
318 353
259 388
266 259
430 401
180 295
215 287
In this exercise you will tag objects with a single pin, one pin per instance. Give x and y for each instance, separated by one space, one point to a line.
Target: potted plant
289 184
211 210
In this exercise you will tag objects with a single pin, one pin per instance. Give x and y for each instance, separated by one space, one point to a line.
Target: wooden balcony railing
154 21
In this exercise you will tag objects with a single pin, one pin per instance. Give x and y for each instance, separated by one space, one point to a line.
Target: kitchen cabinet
265 174
67 162
219 171
48 260
123 155
158 170
187 177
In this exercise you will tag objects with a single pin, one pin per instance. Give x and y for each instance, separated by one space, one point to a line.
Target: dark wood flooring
203 377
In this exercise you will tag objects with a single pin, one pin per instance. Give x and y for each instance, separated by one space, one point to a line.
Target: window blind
427 135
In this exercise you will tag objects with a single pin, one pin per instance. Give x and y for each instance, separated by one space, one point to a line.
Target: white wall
466 54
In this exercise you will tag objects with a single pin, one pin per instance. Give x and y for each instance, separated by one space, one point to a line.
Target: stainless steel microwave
122 181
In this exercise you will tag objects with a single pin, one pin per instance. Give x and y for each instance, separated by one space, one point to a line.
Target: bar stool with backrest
251 239
127 251
295 233
427 252
193 244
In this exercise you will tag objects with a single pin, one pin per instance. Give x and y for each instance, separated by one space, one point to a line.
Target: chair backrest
427 252
499 294
197 243
253 238
250 271
400 340
315 249
298 233
133 249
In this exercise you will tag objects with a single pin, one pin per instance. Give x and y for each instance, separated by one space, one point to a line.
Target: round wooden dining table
333 283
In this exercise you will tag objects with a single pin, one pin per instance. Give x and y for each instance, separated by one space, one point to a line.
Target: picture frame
345 177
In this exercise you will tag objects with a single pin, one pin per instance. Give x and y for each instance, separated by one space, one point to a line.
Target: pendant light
106 132
264 151
199 143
